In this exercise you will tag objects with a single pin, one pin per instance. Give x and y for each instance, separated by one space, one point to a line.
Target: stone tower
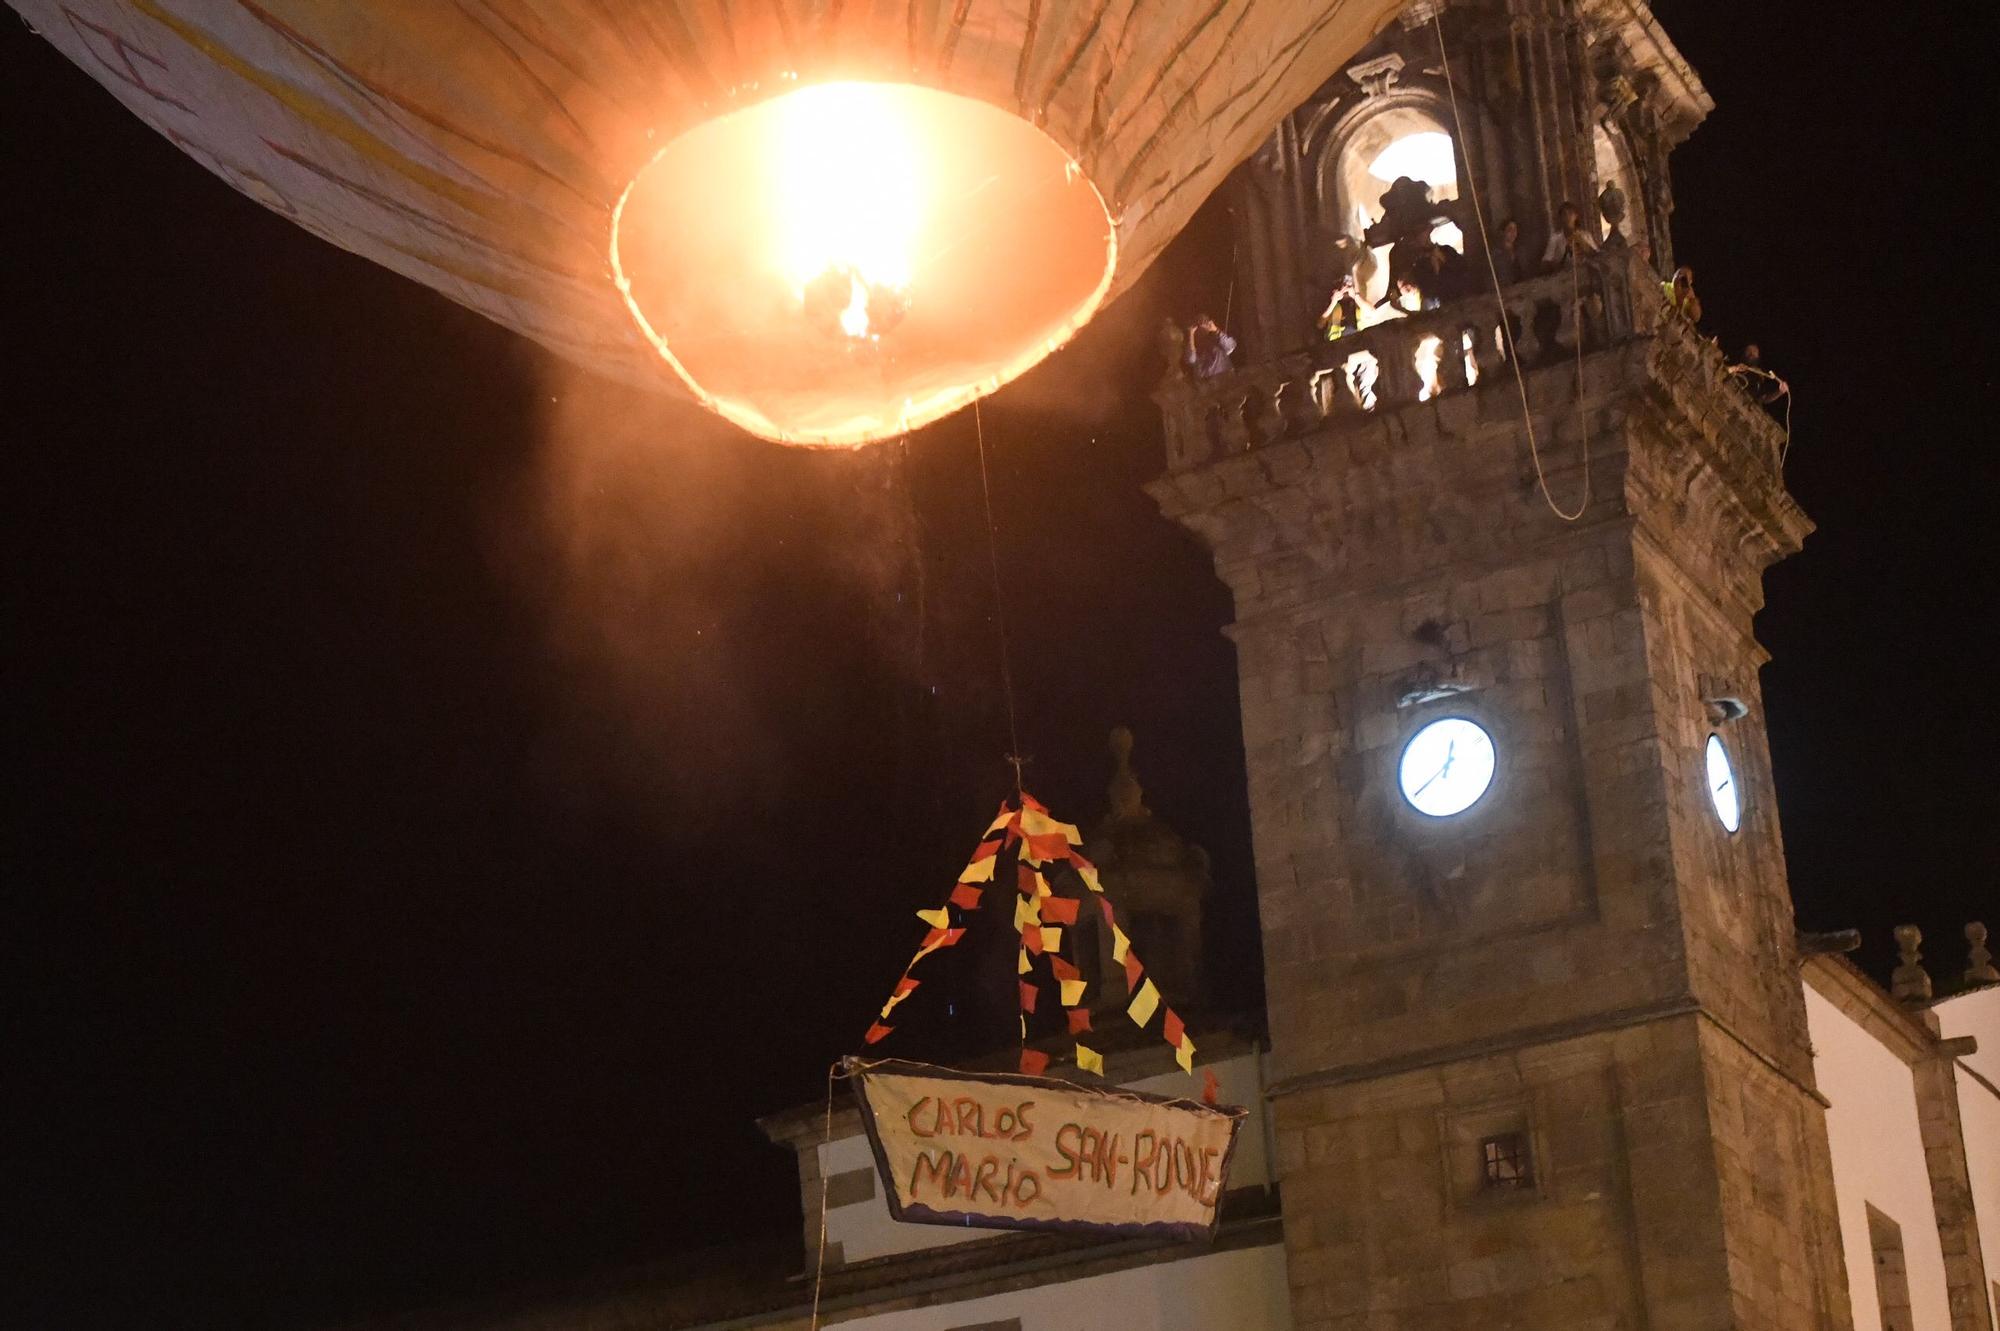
1540 1061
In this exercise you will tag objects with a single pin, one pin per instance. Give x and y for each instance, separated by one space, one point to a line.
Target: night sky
452 795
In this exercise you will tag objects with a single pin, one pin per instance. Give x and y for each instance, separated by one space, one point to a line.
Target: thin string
826 1140
1513 349
999 604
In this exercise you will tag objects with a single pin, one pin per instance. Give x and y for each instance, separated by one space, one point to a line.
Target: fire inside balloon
845 262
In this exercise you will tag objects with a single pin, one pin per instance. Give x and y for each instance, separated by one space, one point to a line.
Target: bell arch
1407 132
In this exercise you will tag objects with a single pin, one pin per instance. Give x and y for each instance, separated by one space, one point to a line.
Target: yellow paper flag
1185 1055
1089 877
979 871
1036 823
936 919
1089 1060
1051 938
1072 990
1120 945
1021 966
1143 1003
1027 913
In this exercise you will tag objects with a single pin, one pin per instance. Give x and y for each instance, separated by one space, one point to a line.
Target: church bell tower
1539 1043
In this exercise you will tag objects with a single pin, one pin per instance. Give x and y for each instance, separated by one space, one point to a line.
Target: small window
1892 1278
1509 1164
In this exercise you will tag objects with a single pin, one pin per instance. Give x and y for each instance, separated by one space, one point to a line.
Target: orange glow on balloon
848 261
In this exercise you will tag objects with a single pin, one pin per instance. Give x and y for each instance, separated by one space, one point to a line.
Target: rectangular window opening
1508 1163
1892 1279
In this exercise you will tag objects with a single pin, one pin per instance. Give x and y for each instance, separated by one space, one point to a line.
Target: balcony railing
1606 301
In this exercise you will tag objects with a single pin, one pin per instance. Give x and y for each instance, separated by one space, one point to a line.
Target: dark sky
452 795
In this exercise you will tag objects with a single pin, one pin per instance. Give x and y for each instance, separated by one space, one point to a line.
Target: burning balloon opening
848 261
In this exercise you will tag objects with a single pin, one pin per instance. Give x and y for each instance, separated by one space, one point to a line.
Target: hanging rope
999 603
1513 350
826 1140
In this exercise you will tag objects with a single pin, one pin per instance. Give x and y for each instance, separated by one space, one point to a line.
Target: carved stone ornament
1377 76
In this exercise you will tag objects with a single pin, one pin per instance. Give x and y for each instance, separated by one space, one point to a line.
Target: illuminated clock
1446 767
1723 795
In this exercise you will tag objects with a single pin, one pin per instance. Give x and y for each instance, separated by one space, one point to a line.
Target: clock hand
1427 785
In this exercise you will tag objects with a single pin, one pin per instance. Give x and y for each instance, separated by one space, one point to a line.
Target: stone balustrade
1607 300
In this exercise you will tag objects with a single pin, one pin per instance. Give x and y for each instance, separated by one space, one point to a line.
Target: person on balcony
1443 275
1569 240
1766 389
1209 349
1342 315
1681 300
1509 264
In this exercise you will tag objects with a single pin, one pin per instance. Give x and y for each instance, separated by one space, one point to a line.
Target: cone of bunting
1043 920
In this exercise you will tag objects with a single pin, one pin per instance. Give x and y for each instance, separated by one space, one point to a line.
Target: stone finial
1128 801
1910 982
1979 961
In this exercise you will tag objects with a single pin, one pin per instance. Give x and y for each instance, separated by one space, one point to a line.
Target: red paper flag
1172 1030
1076 858
1048 846
1030 802
1063 970
965 896
1028 995
1079 1020
1133 970
1211 1089
1105 904
952 936
987 850
905 985
1060 910
1034 1062
876 1032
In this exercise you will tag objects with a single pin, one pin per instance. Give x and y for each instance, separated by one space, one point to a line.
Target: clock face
1722 792
1446 767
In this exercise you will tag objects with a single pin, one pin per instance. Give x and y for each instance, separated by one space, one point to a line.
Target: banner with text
1000 1151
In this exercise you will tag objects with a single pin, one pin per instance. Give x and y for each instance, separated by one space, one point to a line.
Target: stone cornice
1841 983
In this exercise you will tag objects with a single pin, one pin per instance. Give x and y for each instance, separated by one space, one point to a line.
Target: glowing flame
848 203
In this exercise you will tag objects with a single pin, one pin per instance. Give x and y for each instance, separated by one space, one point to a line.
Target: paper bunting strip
1041 918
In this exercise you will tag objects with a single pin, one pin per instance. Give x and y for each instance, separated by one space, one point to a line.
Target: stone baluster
1527 341
1978 961
1266 419
1910 981
1451 355
1235 428
1395 348
1298 406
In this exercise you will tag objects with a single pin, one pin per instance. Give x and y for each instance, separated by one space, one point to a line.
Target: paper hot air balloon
830 221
